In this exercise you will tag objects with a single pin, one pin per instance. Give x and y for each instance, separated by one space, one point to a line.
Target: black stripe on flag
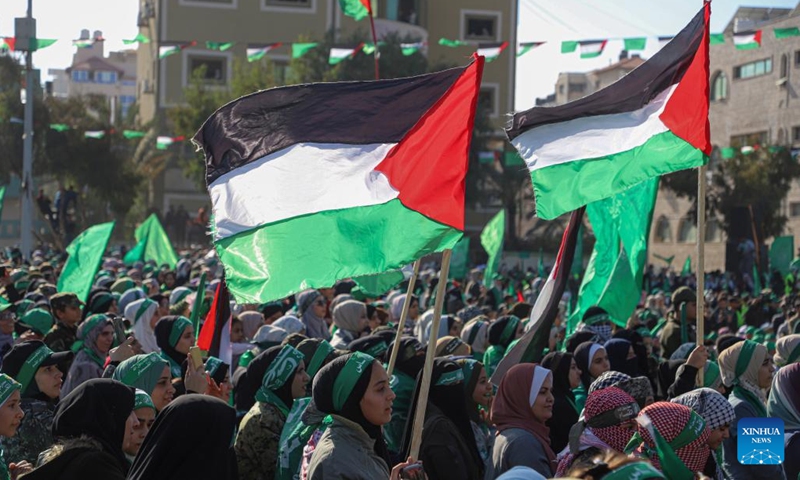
631 92
353 113
530 347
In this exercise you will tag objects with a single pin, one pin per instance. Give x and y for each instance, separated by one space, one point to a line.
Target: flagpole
375 53
701 240
422 400
198 304
403 316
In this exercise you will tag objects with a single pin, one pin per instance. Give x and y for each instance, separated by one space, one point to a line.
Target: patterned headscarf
787 350
601 401
608 379
784 397
715 409
476 334
684 431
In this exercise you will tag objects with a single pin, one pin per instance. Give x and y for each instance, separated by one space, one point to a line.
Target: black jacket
78 459
443 452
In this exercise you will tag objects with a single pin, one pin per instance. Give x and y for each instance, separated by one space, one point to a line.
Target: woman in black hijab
354 390
448 448
175 336
410 360
191 438
566 377
90 425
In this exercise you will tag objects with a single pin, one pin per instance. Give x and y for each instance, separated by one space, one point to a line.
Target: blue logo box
759 441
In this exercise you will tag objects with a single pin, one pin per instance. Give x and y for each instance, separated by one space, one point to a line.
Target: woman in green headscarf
135 433
787 350
257 442
502 332
747 367
10 417
95 338
175 336
150 373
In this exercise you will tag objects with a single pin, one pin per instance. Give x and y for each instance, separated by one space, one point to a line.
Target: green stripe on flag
638 43
459 263
728 153
565 187
137 39
130 134
300 49
569 46
40 43
354 8
451 43
85 254
787 32
492 238
374 286
716 38
59 127
314 251
221 46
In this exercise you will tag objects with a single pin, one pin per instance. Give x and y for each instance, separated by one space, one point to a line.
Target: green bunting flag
373 286
781 253
728 153
95 134
369 48
85 255
622 220
40 43
358 9
131 134
569 46
634 44
492 241
155 244
167 49
487 157
452 43
411 48
687 266
221 46
668 260
59 127
787 32
2 196
164 142
337 55
86 42
747 40
526 47
7 43
716 38
140 38
300 49
459 262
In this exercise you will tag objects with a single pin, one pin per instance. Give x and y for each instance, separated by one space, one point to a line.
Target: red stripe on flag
206 336
686 112
758 37
368 5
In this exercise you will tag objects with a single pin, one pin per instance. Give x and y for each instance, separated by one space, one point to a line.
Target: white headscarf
291 324
140 318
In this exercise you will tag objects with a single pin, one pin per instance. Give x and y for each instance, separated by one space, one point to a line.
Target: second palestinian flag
651 122
314 183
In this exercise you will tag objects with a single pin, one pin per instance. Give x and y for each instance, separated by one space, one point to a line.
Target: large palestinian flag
314 183
651 122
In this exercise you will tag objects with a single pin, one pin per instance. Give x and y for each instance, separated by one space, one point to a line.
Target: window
663 230
105 77
480 26
282 71
794 209
713 230
687 231
129 83
209 3
784 66
795 134
487 100
80 76
797 58
749 139
214 69
288 4
719 87
125 103
753 69
561 89
577 87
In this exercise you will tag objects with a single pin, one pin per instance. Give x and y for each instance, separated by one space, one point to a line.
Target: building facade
161 83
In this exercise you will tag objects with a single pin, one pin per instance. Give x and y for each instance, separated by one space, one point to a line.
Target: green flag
140 38
569 46
300 49
716 38
358 9
131 134
668 260
460 259
40 43
687 266
85 254
2 196
633 44
577 261
376 285
621 294
59 127
135 254
155 243
451 43
492 242
621 220
787 32
727 153
221 46
540 270
756 281
781 253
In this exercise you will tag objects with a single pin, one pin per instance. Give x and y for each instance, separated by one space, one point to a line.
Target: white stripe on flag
490 52
341 53
746 39
299 180
592 137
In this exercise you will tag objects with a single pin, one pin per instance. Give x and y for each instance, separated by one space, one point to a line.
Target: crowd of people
106 386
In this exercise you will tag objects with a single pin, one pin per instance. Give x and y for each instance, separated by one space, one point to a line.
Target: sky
539 20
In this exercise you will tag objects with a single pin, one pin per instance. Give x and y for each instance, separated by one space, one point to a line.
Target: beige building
161 82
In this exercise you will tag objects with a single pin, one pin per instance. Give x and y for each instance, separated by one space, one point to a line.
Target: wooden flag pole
427 371
403 316
701 257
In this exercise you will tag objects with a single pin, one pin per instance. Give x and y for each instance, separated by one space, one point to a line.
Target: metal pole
701 259
26 234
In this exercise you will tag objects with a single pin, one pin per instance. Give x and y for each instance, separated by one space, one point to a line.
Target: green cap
38 319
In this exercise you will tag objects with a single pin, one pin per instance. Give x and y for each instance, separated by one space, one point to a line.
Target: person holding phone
354 390
284 380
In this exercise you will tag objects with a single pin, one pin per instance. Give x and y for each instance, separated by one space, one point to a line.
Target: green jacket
403 387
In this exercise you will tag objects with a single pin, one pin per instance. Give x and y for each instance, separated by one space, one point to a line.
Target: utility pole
25 33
